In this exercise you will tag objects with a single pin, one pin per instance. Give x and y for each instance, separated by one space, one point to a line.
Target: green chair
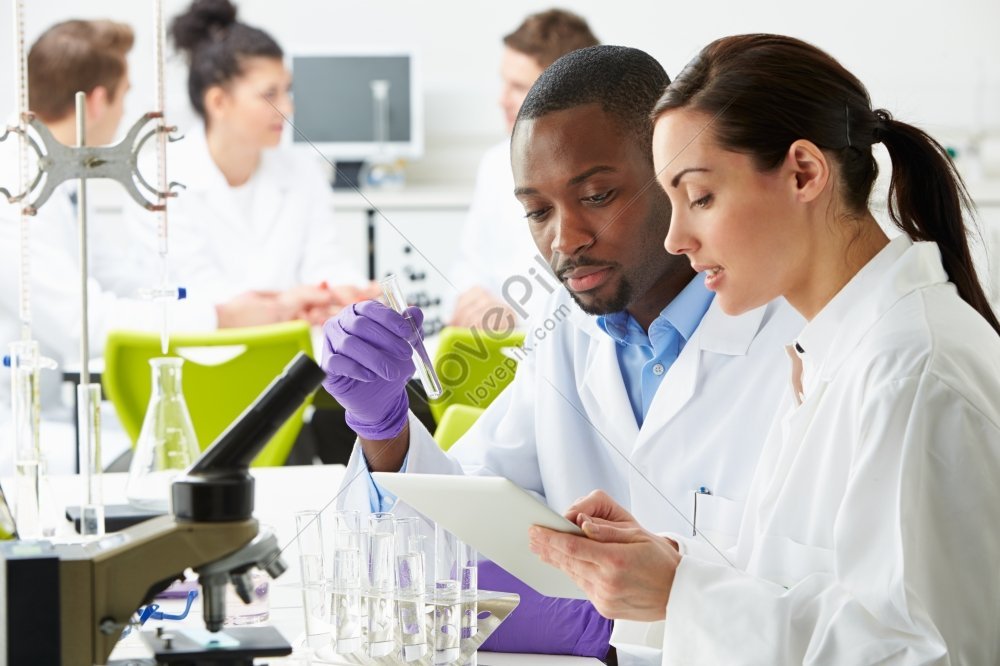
456 420
474 367
224 371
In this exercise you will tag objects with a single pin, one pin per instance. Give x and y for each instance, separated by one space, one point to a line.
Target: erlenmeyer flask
167 443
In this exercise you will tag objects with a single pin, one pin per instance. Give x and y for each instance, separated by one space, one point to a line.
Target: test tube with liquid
381 584
395 299
24 375
309 536
345 594
89 427
412 588
447 596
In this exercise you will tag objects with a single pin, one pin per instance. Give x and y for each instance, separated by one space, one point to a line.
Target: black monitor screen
333 97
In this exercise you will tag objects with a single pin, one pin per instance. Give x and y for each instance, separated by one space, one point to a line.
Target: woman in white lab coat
253 215
869 534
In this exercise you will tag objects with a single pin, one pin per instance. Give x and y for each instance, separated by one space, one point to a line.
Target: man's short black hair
626 82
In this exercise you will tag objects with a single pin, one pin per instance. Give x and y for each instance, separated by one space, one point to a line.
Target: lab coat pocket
786 561
717 519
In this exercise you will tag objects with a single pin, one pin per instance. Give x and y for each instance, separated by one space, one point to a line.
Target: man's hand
368 361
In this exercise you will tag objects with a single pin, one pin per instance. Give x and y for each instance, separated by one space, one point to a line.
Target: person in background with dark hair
634 379
494 245
253 216
870 531
90 56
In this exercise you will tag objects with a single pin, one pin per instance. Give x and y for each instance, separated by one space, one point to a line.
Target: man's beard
615 303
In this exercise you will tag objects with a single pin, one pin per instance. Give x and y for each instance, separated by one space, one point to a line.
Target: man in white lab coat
99 68
495 247
657 397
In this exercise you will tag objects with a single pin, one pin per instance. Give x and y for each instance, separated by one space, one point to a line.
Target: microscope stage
176 647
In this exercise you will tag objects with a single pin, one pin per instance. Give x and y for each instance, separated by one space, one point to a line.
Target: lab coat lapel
603 391
201 178
717 333
270 194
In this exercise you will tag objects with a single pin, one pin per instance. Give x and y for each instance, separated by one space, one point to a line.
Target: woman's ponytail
928 201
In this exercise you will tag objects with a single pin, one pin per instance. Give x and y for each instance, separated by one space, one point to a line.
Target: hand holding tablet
493 515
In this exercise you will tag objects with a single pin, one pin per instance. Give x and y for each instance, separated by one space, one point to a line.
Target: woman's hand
626 571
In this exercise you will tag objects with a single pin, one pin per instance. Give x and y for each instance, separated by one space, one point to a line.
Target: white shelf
411 197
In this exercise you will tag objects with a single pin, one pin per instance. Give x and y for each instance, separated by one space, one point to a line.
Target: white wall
936 64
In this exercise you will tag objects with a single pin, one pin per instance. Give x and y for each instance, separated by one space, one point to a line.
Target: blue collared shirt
380 499
645 358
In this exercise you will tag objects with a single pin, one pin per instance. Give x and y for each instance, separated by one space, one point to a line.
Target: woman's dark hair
216 45
764 92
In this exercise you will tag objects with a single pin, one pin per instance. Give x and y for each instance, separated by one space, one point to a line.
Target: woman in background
254 216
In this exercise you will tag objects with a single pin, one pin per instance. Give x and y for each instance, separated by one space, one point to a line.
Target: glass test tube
395 299
447 596
24 391
412 587
381 584
309 538
345 583
88 398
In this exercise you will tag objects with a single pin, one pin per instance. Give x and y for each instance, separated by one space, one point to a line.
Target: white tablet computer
493 515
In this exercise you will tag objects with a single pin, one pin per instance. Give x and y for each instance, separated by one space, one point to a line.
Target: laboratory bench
280 492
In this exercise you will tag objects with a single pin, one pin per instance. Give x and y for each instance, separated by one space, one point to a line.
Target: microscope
67 604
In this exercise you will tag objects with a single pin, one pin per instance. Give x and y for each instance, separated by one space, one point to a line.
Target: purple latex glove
368 362
544 625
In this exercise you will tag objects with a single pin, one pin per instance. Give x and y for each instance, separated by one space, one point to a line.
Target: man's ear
810 168
97 103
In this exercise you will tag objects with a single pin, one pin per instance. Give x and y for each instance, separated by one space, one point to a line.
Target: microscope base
252 642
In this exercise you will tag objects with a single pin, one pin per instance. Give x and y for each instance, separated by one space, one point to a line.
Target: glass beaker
167 443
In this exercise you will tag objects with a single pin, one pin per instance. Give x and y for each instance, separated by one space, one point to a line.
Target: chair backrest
224 371
455 421
474 366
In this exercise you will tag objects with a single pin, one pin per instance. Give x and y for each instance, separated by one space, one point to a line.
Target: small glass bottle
167 443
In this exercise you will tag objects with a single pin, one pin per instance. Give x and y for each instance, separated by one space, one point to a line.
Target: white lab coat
565 427
290 237
496 242
870 532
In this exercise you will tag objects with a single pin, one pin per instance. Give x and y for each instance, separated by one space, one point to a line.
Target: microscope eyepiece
218 487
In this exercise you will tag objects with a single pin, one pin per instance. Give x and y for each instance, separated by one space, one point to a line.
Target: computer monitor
334 107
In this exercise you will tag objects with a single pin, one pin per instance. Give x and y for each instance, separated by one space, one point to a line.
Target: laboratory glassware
381 584
24 363
411 589
167 442
88 399
309 538
394 298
